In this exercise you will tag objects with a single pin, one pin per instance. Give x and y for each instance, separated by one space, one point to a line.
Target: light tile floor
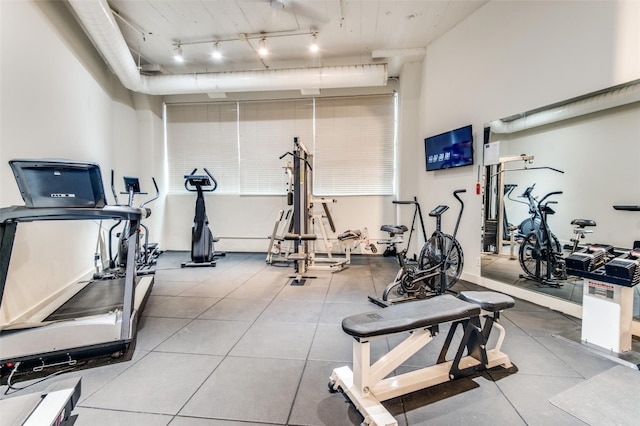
236 345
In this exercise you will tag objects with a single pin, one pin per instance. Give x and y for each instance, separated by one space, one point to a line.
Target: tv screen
449 149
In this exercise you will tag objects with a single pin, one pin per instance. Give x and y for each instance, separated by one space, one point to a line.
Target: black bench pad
488 300
409 316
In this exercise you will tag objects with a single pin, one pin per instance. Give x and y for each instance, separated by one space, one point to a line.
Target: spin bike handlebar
459 191
455 194
414 201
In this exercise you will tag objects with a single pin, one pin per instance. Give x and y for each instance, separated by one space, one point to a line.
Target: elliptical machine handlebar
541 202
142 206
132 186
193 182
113 189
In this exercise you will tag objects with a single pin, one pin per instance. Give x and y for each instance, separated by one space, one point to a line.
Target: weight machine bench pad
350 234
489 301
409 316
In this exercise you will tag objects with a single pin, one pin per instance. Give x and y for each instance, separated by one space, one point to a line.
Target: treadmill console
59 183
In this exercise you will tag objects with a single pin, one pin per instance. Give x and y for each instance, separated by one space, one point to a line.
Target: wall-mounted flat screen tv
449 149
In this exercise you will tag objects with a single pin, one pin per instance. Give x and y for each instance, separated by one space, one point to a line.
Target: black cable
17 389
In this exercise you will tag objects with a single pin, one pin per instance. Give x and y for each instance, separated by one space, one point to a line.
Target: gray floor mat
609 398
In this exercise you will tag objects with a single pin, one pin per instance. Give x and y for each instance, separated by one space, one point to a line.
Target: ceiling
349 32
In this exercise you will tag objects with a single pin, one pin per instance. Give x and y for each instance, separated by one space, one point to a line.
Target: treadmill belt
96 298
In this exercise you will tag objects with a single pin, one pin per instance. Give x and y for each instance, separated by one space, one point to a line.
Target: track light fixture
216 54
313 47
262 47
262 51
276 4
178 55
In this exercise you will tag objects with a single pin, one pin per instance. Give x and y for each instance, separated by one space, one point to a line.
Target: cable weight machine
298 196
301 231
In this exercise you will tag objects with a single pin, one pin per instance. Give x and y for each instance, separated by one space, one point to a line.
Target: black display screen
449 149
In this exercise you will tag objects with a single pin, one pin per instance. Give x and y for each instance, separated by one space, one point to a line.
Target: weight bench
368 385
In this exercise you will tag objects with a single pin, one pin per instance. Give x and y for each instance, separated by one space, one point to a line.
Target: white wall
510 57
58 100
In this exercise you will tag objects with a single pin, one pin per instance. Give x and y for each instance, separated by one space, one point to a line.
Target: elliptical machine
202 240
146 253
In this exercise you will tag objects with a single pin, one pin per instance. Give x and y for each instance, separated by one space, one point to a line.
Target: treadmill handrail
26 214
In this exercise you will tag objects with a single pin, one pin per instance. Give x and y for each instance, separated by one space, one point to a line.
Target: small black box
622 268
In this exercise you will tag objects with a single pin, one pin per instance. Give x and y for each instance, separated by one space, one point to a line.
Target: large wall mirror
588 148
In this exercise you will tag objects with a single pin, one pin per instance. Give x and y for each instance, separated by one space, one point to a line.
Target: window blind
200 136
352 140
267 130
354 151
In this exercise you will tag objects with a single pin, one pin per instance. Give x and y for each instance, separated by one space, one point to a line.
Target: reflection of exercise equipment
541 253
437 269
396 232
533 221
202 240
495 236
367 385
580 231
91 316
608 293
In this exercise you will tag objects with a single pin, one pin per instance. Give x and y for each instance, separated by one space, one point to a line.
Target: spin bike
202 239
540 253
437 268
396 231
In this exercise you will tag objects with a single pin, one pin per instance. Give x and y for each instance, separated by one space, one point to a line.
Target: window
203 136
267 130
354 151
352 140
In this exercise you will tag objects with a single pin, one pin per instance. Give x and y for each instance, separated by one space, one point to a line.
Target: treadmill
94 316
51 407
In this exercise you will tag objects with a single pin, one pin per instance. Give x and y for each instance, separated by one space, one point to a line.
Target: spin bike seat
583 222
394 230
